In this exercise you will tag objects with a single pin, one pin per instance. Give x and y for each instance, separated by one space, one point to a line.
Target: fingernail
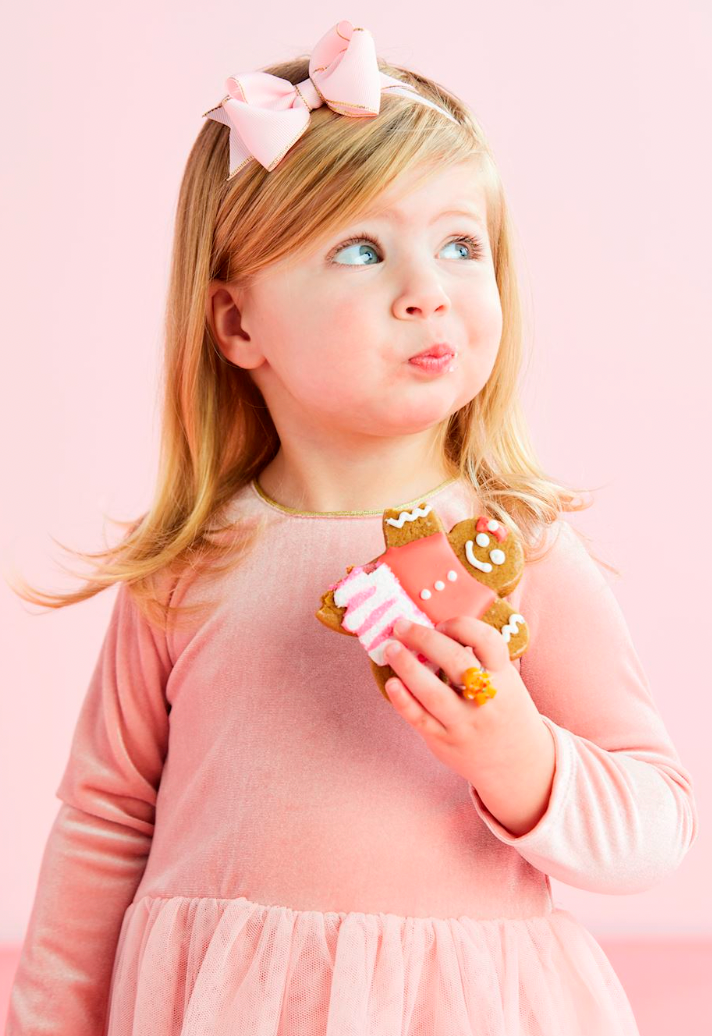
401 626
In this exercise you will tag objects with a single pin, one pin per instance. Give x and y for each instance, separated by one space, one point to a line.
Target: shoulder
561 548
561 577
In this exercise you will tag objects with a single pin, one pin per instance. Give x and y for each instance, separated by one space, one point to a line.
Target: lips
436 351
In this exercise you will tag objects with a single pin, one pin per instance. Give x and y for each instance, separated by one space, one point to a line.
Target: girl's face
327 335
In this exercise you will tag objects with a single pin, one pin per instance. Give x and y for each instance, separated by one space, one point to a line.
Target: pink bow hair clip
267 114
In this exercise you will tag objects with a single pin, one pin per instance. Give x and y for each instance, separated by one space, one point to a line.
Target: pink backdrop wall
597 115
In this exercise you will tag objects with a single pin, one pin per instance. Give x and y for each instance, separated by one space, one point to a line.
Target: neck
353 488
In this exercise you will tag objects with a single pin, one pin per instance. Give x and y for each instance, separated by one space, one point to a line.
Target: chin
410 423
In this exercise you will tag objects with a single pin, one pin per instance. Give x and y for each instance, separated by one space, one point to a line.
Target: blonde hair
216 430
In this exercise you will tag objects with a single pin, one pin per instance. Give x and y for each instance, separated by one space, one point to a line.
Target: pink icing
418 564
500 533
374 616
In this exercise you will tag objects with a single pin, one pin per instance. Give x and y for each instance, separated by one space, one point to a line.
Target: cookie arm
622 813
97 848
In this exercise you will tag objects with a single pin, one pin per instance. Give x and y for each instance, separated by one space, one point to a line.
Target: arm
515 784
97 848
621 814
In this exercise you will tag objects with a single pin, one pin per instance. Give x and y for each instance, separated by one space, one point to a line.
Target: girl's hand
465 736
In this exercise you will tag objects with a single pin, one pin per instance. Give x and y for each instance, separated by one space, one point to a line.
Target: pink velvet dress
252 841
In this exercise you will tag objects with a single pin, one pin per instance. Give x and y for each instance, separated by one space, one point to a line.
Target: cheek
485 321
324 327
327 352
354 324
344 342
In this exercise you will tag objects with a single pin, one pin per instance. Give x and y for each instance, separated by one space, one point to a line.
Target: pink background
597 115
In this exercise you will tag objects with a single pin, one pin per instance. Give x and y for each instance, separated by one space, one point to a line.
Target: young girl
252 839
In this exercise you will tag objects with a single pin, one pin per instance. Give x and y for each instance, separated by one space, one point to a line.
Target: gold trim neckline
345 514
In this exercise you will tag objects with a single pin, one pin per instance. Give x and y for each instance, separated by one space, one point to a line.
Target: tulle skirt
200 966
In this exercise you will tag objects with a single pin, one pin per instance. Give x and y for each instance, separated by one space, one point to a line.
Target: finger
409 707
487 642
437 702
445 651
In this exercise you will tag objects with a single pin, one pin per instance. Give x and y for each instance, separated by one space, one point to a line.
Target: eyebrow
393 216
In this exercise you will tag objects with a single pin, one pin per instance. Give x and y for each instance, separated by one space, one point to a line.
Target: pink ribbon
500 531
267 114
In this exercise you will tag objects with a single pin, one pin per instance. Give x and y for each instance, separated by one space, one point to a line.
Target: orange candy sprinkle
477 685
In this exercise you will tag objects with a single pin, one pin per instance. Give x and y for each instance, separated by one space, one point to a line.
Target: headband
267 114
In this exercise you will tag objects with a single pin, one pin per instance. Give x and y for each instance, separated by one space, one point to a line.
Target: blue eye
365 249
367 240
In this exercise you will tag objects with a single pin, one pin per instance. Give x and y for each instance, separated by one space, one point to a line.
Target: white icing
497 556
511 627
386 586
482 539
483 566
492 525
409 516
439 585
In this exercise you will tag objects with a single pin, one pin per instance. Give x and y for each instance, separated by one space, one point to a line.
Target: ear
224 313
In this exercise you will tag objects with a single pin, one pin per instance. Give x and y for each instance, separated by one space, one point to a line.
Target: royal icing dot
439 585
482 539
497 557
492 525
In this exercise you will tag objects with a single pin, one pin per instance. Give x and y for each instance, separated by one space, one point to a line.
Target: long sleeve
98 845
621 814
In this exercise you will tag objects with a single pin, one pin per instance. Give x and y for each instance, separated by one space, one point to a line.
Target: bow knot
267 114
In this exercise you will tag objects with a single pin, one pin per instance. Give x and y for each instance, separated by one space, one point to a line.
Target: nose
423 296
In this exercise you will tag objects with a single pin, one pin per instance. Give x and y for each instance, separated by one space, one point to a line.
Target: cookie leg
382 674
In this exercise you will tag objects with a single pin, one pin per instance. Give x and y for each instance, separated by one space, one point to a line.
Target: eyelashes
468 239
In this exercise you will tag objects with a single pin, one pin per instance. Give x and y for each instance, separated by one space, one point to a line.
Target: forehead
458 190
421 195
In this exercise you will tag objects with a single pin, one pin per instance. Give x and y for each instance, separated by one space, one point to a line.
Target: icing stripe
373 601
511 627
376 615
409 516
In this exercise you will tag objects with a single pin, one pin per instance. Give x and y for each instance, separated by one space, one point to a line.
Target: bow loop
347 77
266 133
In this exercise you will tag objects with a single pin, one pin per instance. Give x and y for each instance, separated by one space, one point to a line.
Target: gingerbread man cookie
428 575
